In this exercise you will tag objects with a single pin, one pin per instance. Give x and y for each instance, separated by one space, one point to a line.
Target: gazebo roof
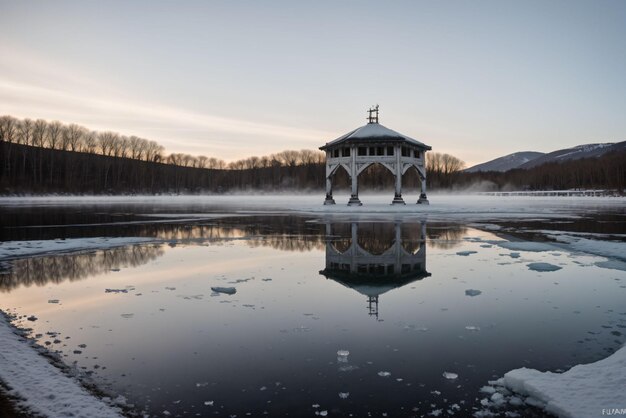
373 132
373 285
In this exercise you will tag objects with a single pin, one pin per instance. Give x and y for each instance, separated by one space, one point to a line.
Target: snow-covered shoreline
41 388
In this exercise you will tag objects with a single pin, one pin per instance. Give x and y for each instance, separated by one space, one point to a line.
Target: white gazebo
375 144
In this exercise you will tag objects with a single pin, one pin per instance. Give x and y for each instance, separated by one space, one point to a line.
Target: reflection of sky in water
273 345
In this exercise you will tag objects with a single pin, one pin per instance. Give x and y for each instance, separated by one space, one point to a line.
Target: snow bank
39 386
14 249
585 391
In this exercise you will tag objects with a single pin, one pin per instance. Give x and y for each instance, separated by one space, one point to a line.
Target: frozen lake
277 306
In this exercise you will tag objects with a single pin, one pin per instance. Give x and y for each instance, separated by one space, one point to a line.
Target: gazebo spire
373 118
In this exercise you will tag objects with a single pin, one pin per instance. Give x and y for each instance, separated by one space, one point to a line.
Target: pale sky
230 79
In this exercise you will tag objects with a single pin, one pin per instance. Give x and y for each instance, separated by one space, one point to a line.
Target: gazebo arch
370 144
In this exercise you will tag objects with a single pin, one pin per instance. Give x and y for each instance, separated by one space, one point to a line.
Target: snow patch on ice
583 391
39 386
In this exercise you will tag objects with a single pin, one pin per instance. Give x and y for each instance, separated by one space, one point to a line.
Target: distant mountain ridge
508 162
530 159
576 153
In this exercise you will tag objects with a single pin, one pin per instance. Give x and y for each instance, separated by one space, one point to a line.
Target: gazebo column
354 177
423 200
329 183
397 199
329 192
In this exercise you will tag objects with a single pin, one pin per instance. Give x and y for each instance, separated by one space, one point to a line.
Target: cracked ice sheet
17 249
39 386
583 391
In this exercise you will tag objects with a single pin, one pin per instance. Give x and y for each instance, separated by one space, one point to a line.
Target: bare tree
39 132
55 129
73 135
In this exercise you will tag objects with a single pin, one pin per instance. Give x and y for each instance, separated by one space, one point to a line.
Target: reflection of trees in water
300 243
40 271
278 233
285 238
376 238
445 236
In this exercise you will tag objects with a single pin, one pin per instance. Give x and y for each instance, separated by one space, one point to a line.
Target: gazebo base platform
354 201
397 200
329 201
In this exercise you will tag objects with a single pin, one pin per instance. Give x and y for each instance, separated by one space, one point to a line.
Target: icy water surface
330 316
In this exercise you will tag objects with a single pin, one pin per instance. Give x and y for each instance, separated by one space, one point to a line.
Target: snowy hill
507 162
576 153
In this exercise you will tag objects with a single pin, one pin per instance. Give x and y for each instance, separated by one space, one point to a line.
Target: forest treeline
37 156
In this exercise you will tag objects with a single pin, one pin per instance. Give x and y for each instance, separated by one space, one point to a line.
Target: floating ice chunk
450 375
497 398
526 246
170 288
208 403
435 412
384 374
127 315
323 413
472 328
612 264
343 353
472 292
227 290
515 401
544 267
115 290
344 395
262 388
488 389
466 253
202 384
348 368
514 255
53 300
315 405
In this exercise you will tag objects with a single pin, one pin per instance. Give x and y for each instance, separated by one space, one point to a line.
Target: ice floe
226 290
472 292
543 267
450 375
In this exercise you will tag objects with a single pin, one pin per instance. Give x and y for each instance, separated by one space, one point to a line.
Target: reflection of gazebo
374 144
375 274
